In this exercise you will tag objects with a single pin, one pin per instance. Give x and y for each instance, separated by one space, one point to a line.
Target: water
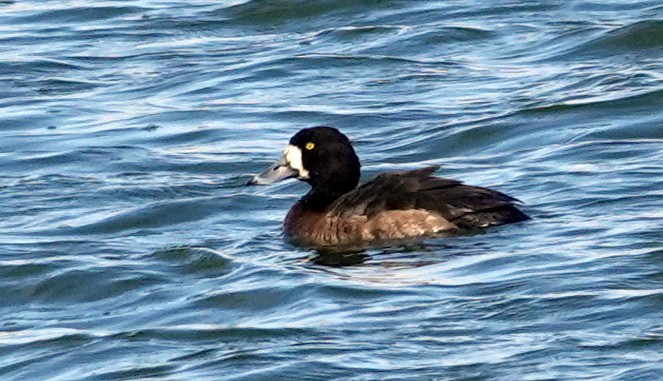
130 248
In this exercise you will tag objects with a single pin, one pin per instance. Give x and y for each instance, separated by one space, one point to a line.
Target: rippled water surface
131 249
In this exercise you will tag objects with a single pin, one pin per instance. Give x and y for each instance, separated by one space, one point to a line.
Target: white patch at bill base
293 156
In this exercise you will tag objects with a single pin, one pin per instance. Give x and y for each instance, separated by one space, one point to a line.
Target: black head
321 156
329 159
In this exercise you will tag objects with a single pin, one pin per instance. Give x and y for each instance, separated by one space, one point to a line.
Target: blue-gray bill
279 171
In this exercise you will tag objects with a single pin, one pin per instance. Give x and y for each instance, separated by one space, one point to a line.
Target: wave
79 14
640 38
270 11
646 99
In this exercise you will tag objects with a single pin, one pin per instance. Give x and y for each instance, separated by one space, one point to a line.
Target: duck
392 206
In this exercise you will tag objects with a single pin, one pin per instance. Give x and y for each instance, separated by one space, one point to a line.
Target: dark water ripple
130 248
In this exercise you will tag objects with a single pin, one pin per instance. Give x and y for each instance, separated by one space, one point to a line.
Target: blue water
130 248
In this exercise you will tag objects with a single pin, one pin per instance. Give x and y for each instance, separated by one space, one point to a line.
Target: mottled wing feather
466 206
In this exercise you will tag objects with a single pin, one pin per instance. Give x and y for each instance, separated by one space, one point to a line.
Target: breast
325 229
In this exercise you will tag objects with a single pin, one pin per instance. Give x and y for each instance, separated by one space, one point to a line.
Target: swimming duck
394 205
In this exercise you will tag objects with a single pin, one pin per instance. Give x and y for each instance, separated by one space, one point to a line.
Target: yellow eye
309 146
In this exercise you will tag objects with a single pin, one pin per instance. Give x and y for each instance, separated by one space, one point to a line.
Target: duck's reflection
352 255
337 258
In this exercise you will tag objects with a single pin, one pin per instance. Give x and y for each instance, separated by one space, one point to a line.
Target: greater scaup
391 206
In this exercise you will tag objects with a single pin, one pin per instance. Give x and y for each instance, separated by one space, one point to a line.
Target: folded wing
463 205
